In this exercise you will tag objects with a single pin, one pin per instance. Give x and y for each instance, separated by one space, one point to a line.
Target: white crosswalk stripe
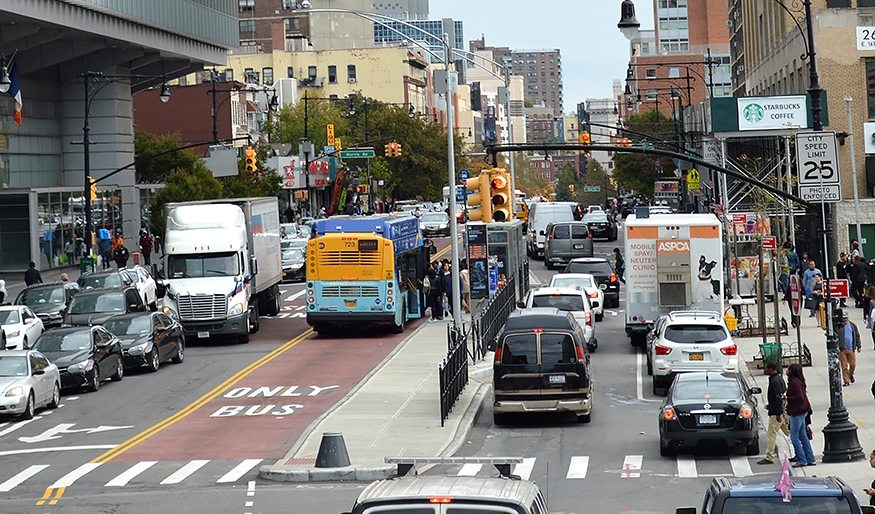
184 472
577 468
238 471
132 473
740 466
71 477
524 469
632 466
18 479
687 466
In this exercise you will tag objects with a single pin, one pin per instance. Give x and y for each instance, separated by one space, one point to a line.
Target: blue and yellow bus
364 270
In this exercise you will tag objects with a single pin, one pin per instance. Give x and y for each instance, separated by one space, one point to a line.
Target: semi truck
222 265
673 262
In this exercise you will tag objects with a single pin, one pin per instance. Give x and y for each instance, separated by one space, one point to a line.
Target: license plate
697 356
578 247
557 379
351 304
707 419
203 335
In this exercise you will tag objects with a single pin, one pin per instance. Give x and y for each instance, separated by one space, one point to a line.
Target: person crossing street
778 420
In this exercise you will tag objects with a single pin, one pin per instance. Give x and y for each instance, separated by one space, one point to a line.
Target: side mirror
490 346
29 321
867 509
253 266
521 304
161 329
432 250
755 390
542 233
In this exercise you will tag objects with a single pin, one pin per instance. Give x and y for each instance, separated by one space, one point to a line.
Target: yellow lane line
200 402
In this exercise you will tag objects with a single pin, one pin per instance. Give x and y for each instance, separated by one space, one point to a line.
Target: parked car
565 241
20 327
94 306
148 339
48 301
601 225
85 356
587 283
435 224
145 284
708 407
104 279
571 300
603 271
541 364
685 341
28 381
294 259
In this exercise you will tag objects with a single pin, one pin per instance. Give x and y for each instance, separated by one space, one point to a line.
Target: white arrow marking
64 428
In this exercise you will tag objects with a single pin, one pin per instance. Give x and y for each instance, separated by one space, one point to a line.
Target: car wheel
253 321
754 447
119 371
56 397
665 451
154 362
600 317
499 419
274 307
243 338
584 418
29 408
649 365
2 340
658 388
180 351
94 380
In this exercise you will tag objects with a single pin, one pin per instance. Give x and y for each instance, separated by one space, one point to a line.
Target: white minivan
542 214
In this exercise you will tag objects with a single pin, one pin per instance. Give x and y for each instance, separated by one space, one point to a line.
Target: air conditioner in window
317 82
352 80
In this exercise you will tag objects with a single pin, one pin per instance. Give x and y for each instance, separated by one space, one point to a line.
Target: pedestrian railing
489 322
453 370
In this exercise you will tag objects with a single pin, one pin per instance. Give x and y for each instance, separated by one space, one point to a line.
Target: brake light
662 350
613 277
579 353
440 500
537 330
729 350
593 295
746 411
588 318
668 413
498 354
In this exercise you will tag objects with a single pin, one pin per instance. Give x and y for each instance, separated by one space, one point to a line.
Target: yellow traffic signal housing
388 148
584 139
364 189
479 203
397 149
501 197
251 162
92 186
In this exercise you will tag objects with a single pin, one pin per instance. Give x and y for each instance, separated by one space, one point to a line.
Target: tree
568 187
596 175
288 125
183 186
264 182
157 169
638 172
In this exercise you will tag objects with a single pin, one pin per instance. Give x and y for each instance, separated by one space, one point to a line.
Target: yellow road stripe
58 495
46 496
200 402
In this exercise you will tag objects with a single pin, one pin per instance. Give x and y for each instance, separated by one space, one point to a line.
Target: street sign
770 243
839 288
739 218
827 193
464 175
364 153
818 164
328 149
795 294
694 181
329 131
718 208
592 189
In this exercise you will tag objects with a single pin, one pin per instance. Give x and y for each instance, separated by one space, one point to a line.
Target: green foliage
528 102
638 172
288 125
184 186
528 179
264 182
596 175
567 178
157 169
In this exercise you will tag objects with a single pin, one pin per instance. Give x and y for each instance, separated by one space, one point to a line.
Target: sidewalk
15 281
394 412
857 397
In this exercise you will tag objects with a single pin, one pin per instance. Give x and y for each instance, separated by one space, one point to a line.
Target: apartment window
672 4
288 4
610 165
267 76
292 25
332 97
246 5
650 73
290 72
651 94
332 74
844 3
311 72
229 75
247 25
350 73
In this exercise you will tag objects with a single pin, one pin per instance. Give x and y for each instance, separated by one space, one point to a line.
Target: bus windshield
208 265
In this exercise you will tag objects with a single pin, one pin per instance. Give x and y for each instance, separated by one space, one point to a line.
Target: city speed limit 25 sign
817 163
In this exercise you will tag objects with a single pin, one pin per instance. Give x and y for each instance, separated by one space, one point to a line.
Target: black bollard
332 451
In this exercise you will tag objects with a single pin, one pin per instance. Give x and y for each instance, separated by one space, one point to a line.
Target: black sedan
709 407
148 339
601 225
105 278
48 301
94 306
85 356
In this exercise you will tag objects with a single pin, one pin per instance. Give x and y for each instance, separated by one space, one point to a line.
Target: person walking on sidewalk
871 489
808 280
817 298
32 275
798 407
619 265
434 295
775 408
849 342
843 269
858 280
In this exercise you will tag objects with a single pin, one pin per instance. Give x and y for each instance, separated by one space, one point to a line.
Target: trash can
85 264
771 352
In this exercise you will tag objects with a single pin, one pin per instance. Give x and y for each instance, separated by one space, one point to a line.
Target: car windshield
293 254
775 504
289 230
133 275
9 317
63 341
563 302
596 217
13 366
576 283
714 389
435 217
293 243
591 268
140 325
208 265
695 334
97 303
41 296
100 281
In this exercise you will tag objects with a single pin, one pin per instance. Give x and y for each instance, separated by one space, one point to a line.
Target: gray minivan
565 241
542 214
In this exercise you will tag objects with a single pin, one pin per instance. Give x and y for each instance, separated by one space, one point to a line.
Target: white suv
567 299
689 341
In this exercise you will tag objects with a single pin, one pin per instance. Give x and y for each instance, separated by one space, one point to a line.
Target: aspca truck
673 262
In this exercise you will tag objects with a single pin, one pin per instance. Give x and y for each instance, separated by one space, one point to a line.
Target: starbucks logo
753 113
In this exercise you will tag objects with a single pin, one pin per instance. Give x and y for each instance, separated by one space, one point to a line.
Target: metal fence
453 370
488 323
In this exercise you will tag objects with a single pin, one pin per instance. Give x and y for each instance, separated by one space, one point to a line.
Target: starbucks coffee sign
772 112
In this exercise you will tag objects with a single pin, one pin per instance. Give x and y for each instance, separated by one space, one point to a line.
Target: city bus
365 270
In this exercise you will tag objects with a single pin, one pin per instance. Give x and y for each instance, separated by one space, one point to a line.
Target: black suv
759 495
604 274
105 279
94 306
48 301
541 363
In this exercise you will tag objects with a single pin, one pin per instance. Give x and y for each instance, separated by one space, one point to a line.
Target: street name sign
592 189
818 165
366 153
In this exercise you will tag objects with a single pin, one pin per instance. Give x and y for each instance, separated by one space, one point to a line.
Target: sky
594 52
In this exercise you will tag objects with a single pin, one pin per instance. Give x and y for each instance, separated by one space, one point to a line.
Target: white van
542 214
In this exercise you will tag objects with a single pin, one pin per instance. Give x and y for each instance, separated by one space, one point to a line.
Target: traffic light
251 162
624 142
571 189
501 196
584 139
364 189
479 203
388 147
92 186
397 149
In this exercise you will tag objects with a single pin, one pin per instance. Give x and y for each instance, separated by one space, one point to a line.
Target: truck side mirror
253 266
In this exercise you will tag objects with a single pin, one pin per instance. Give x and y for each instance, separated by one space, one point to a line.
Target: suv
565 241
48 301
760 495
541 365
604 274
94 306
689 341
567 299
105 278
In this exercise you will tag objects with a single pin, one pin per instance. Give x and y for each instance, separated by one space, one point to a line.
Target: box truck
222 265
673 262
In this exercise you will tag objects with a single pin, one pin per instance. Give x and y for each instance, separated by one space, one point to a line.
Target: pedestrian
290 214
619 265
843 269
871 489
70 251
104 248
32 275
434 295
120 256
466 285
808 280
858 280
804 262
323 213
146 247
792 258
849 343
64 278
798 407
775 407
855 250
817 298
159 244
870 311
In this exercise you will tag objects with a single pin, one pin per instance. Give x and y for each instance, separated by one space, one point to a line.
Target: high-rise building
403 9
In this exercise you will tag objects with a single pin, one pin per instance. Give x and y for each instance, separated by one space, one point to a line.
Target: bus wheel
399 328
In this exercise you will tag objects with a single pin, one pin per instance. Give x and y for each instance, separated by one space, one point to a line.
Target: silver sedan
27 381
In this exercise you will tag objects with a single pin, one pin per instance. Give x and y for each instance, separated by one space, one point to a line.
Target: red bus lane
263 414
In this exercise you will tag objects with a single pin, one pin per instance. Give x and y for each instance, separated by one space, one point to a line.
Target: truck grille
350 291
203 307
